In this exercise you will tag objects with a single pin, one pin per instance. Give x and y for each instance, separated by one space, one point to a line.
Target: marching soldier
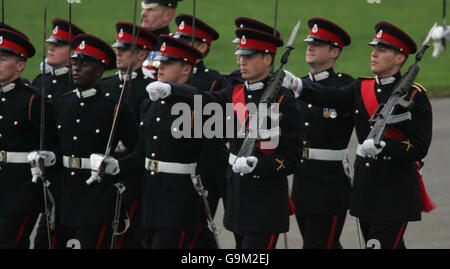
84 121
171 206
257 202
56 84
387 190
57 81
156 18
321 188
211 171
21 199
134 94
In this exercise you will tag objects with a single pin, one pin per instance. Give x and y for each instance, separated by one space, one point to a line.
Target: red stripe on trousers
55 235
272 238
197 234
333 229
402 228
19 235
100 237
180 244
120 241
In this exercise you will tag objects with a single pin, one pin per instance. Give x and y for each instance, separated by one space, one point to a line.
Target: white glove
35 158
158 90
369 148
292 82
111 167
242 164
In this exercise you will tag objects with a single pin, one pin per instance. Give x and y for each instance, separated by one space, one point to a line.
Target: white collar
254 86
384 81
8 87
85 93
123 77
60 71
319 76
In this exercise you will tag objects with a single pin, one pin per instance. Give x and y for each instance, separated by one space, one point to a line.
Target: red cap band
127 37
393 41
176 52
199 33
325 34
62 34
257 45
15 47
93 51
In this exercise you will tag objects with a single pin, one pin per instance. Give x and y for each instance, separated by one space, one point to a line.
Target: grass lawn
358 17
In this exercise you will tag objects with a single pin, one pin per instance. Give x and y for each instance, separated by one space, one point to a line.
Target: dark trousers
384 234
249 240
15 231
321 231
84 237
170 239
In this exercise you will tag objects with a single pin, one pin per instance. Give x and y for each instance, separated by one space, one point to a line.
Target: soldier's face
255 67
10 67
156 17
173 71
86 73
58 55
123 58
385 62
320 54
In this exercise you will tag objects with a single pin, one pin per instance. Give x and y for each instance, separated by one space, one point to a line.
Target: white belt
13 157
171 168
232 158
76 163
325 154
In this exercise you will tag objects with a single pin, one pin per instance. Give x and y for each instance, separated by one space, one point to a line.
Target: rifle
384 116
269 96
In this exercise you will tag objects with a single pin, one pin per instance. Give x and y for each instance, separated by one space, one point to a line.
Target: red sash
239 98
371 104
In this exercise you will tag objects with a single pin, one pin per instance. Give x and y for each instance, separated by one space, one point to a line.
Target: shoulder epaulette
419 87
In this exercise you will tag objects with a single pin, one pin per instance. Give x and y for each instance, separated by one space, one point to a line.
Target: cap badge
82 45
55 31
243 40
121 33
315 28
163 46
380 33
1 39
182 25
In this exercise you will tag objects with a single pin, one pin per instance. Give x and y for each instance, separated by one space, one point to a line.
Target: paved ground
434 229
